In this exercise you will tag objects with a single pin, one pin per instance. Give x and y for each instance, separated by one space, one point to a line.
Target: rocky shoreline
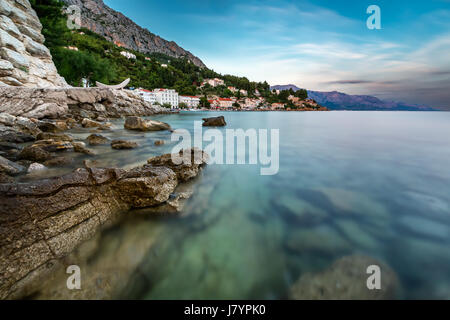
45 220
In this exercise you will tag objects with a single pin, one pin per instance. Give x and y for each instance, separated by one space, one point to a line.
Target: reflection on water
374 183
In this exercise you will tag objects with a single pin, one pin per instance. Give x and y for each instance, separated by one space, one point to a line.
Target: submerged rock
45 220
159 143
139 124
124 145
80 147
214 122
96 140
58 162
346 279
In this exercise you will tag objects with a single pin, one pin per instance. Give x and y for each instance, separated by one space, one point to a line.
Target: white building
190 101
128 55
166 96
214 82
147 95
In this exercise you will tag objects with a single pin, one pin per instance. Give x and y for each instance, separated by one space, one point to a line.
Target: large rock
35 153
76 103
139 124
214 122
346 279
97 139
45 220
123 145
191 161
10 167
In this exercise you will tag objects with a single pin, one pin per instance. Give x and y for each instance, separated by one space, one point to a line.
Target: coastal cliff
24 60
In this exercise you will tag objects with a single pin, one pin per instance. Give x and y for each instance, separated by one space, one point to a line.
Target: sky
322 45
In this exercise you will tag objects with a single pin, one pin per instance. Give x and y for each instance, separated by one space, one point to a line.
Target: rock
58 162
298 211
214 122
122 144
322 240
10 167
54 136
50 127
4 178
159 143
90 103
97 139
34 153
10 134
87 123
190 163
18 60
54 146
346 279
49 218
6 68
80 147
139 124
35 167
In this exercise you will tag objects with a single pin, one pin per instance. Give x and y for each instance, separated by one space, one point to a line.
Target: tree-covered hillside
100 60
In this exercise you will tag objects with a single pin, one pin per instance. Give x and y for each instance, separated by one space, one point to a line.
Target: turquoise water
376 183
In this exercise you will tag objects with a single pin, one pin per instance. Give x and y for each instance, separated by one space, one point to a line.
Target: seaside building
190 101
168 96
244 92
232 89
225 103
147 95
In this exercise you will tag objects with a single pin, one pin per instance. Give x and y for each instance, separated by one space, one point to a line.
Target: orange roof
225 99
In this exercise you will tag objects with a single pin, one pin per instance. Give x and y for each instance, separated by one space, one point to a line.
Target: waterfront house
190 101
128 55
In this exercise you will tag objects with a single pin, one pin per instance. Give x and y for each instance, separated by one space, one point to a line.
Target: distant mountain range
117 28
340 101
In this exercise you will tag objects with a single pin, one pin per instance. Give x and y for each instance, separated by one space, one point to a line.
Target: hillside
340 101
85 54
116 27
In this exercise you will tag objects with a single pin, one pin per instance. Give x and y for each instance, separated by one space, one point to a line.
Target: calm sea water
375 183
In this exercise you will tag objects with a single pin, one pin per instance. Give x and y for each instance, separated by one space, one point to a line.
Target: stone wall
24 60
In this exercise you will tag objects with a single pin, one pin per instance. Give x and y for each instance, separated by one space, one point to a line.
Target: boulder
14 135
97 139
87 123
10 168
122 144
346 279
80 147
139 124
58 162
50 127
35 167
35 153
54 146
54 136
188 165
159 143
214 122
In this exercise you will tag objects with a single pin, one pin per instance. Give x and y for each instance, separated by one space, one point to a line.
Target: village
241 100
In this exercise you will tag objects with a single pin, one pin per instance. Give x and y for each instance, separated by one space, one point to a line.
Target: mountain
117 28
340 101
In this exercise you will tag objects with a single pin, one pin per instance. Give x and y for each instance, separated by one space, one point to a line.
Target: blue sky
319 45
